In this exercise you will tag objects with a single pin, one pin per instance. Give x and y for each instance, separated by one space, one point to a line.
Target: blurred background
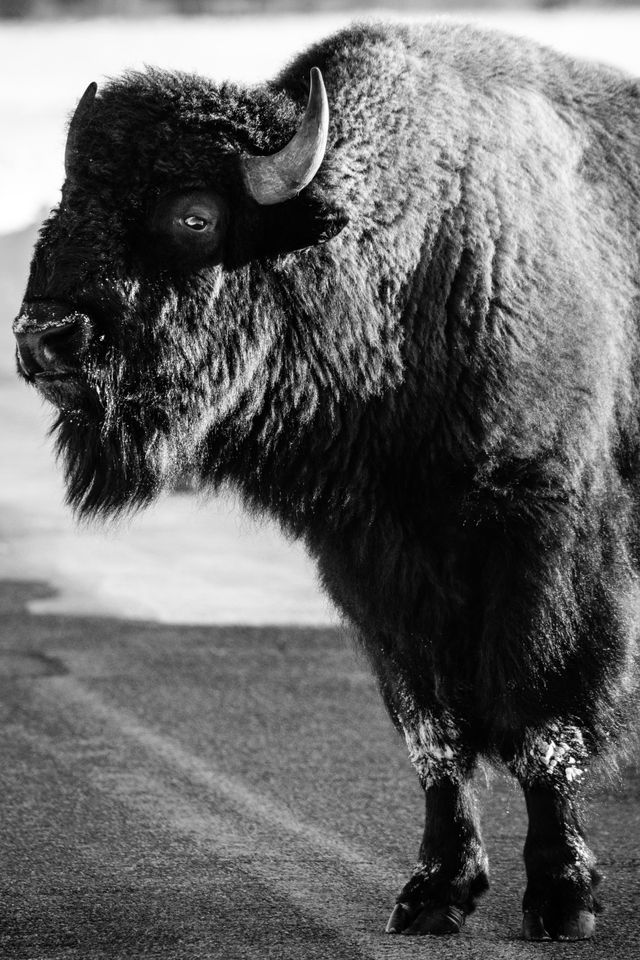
183 561
49 8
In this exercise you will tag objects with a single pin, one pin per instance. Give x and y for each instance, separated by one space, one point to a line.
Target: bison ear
303 222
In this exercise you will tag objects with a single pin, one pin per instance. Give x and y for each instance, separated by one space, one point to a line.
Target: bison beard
117 435
108 471
418 350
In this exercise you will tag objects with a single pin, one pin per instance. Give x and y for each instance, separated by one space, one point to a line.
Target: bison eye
189 227
194 222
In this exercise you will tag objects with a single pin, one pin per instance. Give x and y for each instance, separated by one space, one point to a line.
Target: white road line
206 774
302 880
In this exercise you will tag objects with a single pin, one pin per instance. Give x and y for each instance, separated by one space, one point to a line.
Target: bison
399 313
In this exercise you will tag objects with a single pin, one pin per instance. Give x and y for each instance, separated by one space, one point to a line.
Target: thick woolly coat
424 366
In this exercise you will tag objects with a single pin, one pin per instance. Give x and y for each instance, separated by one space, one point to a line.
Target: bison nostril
52 344
26 361
61 343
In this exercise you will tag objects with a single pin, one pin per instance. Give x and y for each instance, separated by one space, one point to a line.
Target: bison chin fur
114 470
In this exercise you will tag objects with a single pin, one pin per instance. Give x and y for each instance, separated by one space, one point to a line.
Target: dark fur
442 401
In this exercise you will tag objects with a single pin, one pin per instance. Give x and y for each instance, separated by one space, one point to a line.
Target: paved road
184 792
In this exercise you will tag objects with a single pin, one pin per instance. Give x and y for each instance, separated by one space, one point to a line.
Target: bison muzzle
401 316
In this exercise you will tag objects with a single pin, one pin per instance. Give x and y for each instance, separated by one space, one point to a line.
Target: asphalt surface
213 790
233 792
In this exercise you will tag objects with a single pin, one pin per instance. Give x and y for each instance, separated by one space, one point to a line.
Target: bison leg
559 900
452 869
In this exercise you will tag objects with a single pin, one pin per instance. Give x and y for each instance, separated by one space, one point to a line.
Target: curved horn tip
315 76
89 93
82 107
318 94
84 102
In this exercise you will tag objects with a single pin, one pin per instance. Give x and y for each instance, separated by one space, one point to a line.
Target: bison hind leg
577 925
559 902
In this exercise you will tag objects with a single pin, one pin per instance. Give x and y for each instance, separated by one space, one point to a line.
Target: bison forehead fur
424 363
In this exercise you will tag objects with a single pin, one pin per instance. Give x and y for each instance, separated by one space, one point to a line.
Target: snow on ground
180 561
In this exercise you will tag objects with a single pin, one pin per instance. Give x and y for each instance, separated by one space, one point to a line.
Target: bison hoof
580 925
424 919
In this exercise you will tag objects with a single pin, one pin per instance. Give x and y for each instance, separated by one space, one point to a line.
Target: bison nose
51 338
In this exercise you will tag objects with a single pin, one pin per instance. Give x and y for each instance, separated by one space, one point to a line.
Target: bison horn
84 105
282 175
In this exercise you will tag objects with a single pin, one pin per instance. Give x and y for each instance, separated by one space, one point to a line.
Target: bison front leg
559 901
452 869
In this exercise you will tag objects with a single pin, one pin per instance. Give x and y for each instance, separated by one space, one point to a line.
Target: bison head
149 318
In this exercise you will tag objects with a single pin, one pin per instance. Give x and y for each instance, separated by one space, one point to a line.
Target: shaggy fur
424 365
